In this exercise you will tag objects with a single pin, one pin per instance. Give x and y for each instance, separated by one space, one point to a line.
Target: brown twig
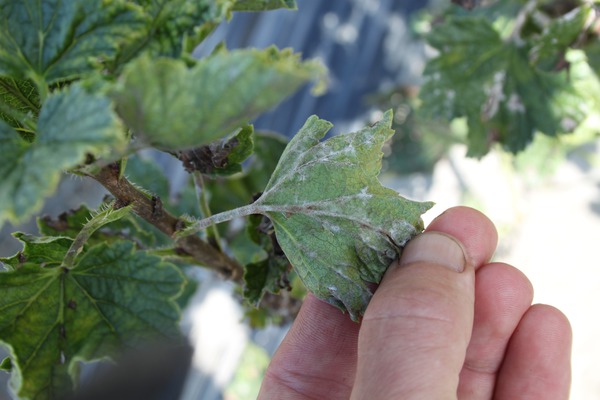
151 209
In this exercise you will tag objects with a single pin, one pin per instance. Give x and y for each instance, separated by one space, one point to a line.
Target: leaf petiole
105 216
205 208
225 216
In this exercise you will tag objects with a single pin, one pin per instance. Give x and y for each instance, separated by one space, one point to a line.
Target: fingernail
435 248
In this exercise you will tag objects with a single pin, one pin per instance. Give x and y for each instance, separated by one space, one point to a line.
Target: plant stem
105 216
223 217
205 208
150 208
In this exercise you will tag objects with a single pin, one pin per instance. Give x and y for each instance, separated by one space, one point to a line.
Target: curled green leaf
338 226
106 215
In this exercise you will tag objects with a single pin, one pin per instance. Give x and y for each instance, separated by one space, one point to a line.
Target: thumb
416 330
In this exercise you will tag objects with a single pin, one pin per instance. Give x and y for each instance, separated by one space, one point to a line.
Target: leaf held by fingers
339 227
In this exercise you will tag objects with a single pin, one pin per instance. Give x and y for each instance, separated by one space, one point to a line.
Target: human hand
431 331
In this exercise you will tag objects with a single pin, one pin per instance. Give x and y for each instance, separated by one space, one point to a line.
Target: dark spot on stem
157 207
115 168
209 158
120 203
179 225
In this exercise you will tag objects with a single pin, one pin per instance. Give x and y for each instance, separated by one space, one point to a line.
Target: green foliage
85 85
171 106
268 272
71 223
173 28
99 88
37 249
338 226
510 80
262 5
6 365
72 124
335 222
58 40
21 98
53 317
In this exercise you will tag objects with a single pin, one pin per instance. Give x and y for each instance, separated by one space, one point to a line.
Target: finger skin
502 296
472 228
317 358
415 332
319 352
537 364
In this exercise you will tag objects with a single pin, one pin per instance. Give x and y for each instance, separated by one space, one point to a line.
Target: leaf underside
339 227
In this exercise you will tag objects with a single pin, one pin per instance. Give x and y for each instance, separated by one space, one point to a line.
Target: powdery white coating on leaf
338 226
515 104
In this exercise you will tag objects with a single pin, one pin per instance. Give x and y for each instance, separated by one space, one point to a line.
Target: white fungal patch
515 104
495 95
350 151
301 177
342 273
364 194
